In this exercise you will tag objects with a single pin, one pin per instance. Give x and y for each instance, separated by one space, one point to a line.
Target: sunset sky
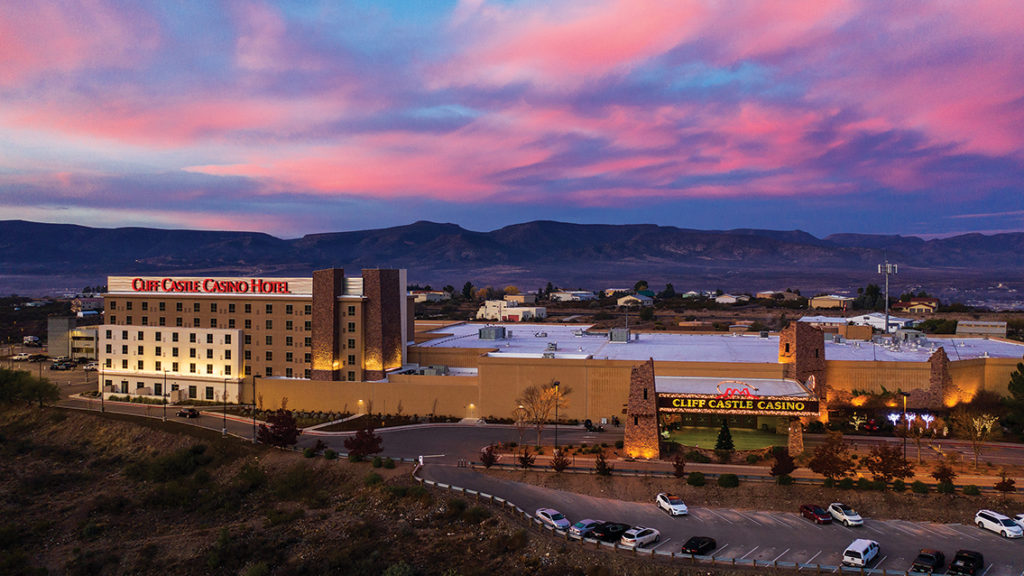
300 117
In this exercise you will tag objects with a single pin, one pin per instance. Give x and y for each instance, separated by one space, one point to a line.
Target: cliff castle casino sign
738 397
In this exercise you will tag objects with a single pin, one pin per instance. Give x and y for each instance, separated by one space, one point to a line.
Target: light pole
556 415
906 424
163 395
253 408
103 385
224 425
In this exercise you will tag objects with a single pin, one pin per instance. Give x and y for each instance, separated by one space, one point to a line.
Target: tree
538 404
724 446
548 290
21 386
364 443
467 291
832 458
559 461
640 285
920 429
784 463
526 459
511 290
679 466
886 462
668 293
488 457
1005 485
280 430
976 426
601 465
944 473
646 314
1016 385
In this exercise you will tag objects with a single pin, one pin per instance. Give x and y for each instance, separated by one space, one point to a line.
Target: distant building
981 328
609 292
572 296
86 304
521 299
429 296
839 326
696 325
732 298
921 305
877 321
66 338
773 294
635 300
502 311
830 301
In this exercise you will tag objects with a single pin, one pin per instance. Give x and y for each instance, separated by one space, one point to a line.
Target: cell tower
887 269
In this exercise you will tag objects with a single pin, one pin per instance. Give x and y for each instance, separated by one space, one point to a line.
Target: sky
301 117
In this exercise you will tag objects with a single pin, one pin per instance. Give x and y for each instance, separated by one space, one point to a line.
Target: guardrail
615 547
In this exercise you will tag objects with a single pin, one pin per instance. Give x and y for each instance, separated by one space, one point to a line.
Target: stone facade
940 383
383 322
327 286
802 354
796 437
641 434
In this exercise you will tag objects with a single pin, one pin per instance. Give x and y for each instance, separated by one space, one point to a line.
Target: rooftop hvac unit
552 346
492 333
764 334
548 355
618 335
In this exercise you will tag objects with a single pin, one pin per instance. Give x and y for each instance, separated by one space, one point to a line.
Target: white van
860 552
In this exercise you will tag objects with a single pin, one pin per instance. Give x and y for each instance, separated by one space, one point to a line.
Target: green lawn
744 439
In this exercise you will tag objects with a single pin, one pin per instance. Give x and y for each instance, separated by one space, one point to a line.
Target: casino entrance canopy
751 396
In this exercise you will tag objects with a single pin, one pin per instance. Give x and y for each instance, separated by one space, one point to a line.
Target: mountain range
528 255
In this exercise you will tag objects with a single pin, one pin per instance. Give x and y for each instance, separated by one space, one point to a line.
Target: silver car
640 536
584 528
553 518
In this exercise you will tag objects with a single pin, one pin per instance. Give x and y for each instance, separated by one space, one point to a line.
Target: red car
815 513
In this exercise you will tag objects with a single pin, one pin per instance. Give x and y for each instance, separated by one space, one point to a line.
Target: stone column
641 435
796 437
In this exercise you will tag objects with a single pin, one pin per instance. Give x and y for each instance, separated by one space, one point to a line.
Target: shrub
784 480
846 484
389 463
601 466
619 444
728 481
560 461
526 459
695 456
972 490
898 485
400 569
372 479
308 453
330 454
456 507
476 515
753 458
945 488
1005 485
679 466
919 487
829 483
378 461
488 457
695 479
362 444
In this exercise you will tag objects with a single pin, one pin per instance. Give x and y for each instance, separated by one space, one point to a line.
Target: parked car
553 518
928 561
590 427
610 531
844 514
860 552
65 365
672 504
699 545
815 513
998 523
38 358
21 357
1019 519
188 413
584 528
966 563
640 536
91 367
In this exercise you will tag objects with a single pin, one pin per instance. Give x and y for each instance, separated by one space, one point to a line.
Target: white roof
824 319
756 386
573 341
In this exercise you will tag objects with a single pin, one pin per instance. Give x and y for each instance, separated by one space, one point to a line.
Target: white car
584 528
844 514
553 518
1019 519
860 553
21 357
91 367
672 504
639 536
998 523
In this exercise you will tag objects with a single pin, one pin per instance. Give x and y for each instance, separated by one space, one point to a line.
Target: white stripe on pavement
749 553
781 555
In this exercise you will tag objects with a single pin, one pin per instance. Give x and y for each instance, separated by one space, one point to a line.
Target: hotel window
110 364
288 325
209 368
351 376
195 306
288 357
248 308
288 309
124 364
145 305
270 340
113 304
158 336
113 319
227 354
191 336
351 326
178 306
110 334
138 385
307 326
351 343
174 336
145 320
192 391
308 309
270 356
141 351
124 334
109 349
227 370
157 390
213 306
288 341
124 348
213 322
270 324
307 341
178 322
174 387
231 322
209 353
248 354
140 364
351 359
128 320
269 371
174 366
307 374
270 308
192 367
140 336
351 310
227 338
288 372
157 366
248 339
162 306
248 324
308 357
128 305
195 323
248 370
191 352
159 351
209 338
174 352
231 308
162 321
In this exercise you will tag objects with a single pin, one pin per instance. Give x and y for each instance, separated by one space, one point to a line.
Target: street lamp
905 421
224 397
103 385
253 408
163 395
556 415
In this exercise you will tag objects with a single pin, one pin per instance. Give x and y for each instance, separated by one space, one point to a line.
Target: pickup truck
927 562
966 563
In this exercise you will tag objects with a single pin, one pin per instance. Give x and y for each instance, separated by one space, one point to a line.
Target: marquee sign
214 285
738 404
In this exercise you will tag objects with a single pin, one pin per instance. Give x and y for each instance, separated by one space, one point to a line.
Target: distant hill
570 255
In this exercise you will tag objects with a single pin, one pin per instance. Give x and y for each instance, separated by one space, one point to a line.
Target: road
747 534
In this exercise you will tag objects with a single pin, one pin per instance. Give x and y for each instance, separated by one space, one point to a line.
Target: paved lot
747 534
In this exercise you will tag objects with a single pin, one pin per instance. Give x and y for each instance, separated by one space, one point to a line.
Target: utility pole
224 426
906 424
557 402
253 408
163 395
887 269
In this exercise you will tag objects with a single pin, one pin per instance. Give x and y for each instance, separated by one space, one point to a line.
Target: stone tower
641 435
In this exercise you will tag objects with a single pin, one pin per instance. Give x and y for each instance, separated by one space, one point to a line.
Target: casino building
201 338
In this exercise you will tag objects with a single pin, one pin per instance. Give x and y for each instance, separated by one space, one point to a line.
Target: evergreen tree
784 464
467 291
1016 385
724 441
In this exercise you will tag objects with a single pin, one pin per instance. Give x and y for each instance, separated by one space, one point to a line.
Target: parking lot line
717 515
987 569
658 544
722 548
751 518
749 553
781 555
809 560
879 565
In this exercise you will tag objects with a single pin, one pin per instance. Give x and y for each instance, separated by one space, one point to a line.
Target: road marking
880 562
987 569
749 553
781 555
720 549
435 456
657 544
717 515
751 518
808 561
867 527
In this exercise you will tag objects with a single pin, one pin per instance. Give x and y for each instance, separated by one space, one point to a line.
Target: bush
619 444
389 463
695 456
601 466
753 458
945 488
309 453
372 479
330 454
476 515
488 457
400 569
972 490
919 487
695 479
846 484
898 485
729 481
378 461
784 480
